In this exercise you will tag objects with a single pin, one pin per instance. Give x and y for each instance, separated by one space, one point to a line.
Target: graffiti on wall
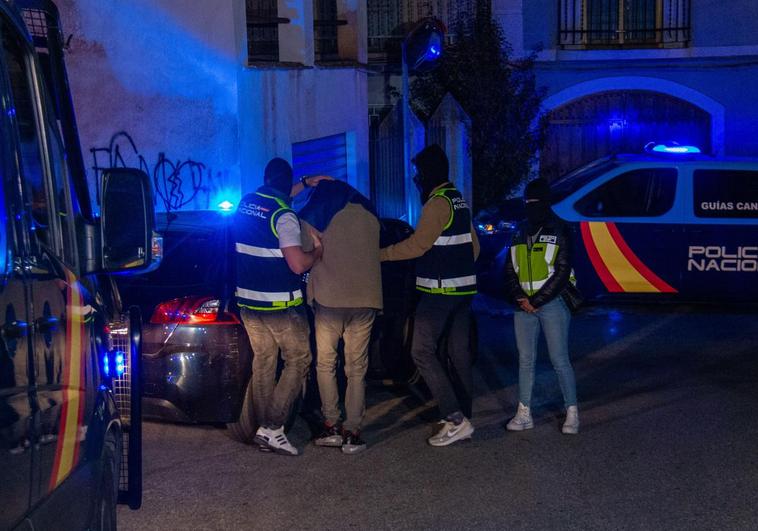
176 183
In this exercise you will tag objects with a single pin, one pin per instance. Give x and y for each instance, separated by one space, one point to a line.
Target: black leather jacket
558 281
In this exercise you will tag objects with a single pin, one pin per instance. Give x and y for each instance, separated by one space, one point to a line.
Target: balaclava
432 169
537 197
278 175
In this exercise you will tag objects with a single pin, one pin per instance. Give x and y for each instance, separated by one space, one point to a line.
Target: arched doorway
618 121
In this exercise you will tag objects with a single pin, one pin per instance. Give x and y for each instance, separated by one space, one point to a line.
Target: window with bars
389 19
624 23
325 30
263 30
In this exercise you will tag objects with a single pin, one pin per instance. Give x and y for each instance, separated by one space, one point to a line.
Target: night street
668 441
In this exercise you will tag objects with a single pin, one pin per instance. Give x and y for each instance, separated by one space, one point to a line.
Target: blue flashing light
119 364
106 365
225 206
675 149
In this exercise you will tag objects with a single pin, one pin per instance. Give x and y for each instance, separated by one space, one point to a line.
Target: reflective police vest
534 264
448 267
264 280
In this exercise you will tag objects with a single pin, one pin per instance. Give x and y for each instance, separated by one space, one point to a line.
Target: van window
31 159
726 193
647 192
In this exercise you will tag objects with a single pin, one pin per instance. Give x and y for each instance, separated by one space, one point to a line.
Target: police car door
630 232
60 344
722 233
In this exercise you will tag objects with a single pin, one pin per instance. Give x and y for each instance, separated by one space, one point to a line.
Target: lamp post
421 52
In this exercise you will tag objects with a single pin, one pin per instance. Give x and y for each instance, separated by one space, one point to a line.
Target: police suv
670 223
70 438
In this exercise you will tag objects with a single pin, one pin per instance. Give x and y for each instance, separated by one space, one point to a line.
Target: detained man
345 292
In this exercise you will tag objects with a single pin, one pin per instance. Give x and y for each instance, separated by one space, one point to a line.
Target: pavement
669 440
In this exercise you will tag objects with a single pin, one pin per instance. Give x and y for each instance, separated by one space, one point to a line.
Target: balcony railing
388 20
624 23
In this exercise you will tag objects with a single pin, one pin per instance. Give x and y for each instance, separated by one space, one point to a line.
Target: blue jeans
554 319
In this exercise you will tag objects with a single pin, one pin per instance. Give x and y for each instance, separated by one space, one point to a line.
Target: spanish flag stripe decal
597 261
72 409
634 260
618 267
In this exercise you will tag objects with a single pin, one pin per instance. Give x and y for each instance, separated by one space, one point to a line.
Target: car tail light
192 310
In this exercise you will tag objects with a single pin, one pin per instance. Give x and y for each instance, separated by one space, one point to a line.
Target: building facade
621 73
202 94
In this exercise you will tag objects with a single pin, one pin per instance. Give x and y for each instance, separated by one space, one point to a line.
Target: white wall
164 83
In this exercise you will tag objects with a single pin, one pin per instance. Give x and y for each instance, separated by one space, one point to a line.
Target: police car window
31 160
726 193
647 192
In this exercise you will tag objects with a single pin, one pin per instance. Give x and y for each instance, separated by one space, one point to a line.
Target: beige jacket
349 274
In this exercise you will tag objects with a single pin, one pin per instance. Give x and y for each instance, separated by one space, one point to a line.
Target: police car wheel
107 494
244 429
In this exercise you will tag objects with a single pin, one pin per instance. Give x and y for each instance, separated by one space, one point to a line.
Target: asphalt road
669 440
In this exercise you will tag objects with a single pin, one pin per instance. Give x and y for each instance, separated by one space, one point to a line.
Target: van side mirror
127 220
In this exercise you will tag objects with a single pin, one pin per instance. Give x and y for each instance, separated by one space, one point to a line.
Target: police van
70 440
670 223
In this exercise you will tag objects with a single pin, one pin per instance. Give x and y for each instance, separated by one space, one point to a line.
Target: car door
58 338
722 233
629 233
17 439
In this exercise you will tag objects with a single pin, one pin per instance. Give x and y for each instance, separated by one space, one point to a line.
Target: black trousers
442 351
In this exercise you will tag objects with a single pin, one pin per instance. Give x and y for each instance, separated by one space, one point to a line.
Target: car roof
689 159
206 221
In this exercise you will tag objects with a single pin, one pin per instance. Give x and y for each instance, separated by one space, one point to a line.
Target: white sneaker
522 420
451 432
275 440
571 426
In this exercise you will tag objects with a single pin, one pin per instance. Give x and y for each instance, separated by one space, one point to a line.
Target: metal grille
325 30
262 30
119 342
624 23
36 22
388 20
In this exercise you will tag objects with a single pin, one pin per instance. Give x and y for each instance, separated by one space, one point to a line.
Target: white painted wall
173 76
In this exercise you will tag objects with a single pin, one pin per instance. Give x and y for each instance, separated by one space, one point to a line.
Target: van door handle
15 329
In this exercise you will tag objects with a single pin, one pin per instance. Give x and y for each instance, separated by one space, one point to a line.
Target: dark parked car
196 355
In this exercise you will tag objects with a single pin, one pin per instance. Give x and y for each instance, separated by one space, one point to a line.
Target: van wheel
244 429
104 518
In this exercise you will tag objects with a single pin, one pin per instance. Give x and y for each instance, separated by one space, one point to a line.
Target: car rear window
726 193
646 192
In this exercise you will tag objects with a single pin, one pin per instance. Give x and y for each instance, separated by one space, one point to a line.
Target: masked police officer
270 261
446 247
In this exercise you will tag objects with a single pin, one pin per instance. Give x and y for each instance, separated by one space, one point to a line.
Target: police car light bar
673 148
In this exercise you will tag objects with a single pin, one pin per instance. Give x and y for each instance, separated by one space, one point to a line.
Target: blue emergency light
106 365
225 206
119 364
672 149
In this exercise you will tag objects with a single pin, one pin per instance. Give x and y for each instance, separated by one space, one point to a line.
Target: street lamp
421 52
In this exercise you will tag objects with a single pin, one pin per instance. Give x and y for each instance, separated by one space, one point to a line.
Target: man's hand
318 248
526 305
313 180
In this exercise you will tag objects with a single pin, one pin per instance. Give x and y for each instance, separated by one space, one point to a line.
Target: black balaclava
537 197
432 169
278 175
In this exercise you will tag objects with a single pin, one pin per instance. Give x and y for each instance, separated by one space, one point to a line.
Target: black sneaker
329 436
352 443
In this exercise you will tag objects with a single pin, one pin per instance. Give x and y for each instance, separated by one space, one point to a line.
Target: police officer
270 261
446 247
